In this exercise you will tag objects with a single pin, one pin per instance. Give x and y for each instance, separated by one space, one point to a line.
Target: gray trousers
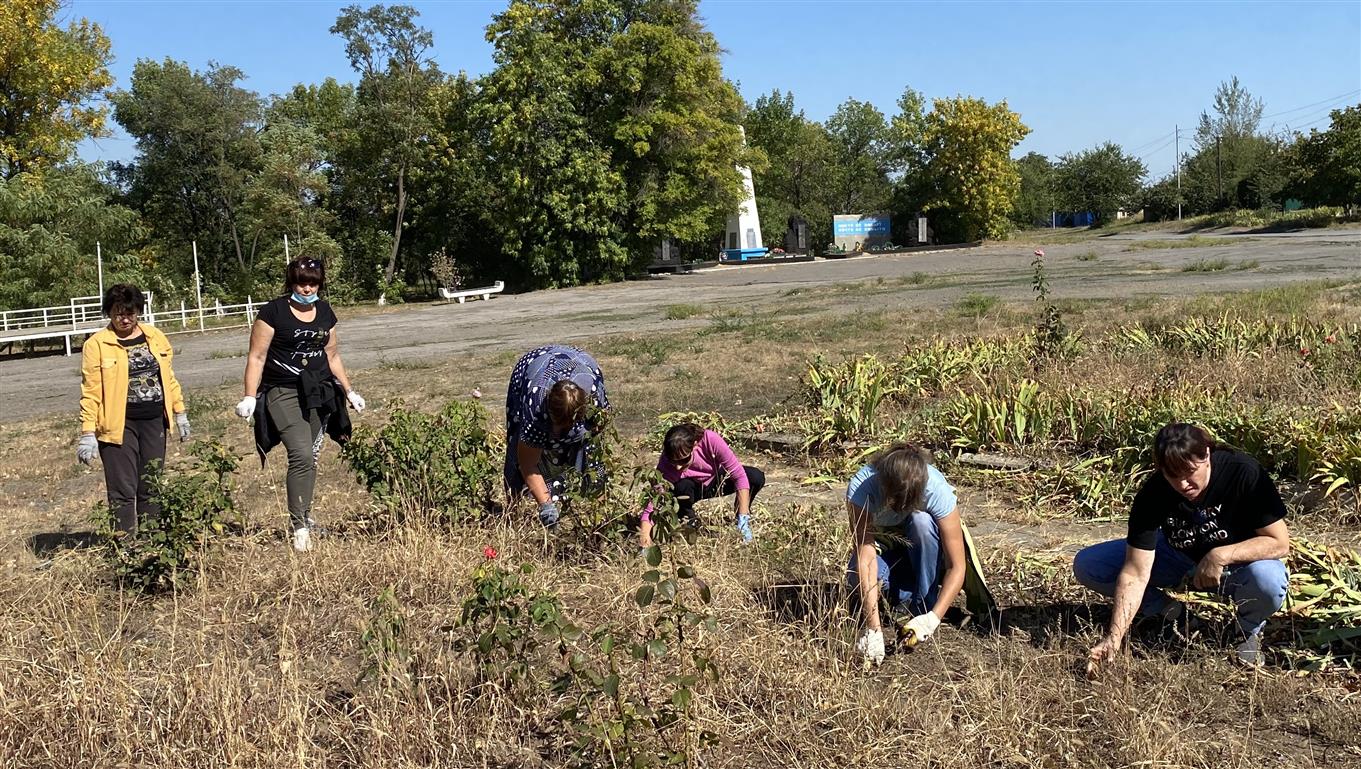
301 435
125 469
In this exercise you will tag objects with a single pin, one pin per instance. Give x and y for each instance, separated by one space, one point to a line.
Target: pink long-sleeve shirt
712 459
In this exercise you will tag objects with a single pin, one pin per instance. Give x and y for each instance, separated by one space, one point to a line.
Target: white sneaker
302 540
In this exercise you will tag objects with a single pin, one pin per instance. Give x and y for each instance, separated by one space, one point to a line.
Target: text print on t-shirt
308 344
1202 529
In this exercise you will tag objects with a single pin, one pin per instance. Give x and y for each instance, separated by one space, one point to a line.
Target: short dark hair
123 298
566 402
304 270
1179 444
902 474
681 439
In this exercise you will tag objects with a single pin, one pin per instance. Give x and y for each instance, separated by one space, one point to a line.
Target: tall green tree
796 179
50 83
1102 180
556 191
450 198
607 124
391 53
1036 200
1236 113
859 135
667 117
1227 147
1330 162
198 147
49 225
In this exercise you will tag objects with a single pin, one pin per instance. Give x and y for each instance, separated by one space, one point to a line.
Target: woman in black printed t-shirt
294 374
1210 516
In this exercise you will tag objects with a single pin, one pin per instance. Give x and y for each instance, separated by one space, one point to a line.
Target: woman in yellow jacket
128 397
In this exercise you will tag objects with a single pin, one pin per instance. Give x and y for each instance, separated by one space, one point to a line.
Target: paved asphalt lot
1122 267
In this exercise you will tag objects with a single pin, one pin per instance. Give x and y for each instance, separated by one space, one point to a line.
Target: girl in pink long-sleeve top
699 465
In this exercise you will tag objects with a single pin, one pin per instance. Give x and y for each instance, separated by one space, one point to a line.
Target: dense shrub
195 505
442 468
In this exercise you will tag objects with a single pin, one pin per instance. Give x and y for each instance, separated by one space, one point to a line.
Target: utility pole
1219 172
1177 130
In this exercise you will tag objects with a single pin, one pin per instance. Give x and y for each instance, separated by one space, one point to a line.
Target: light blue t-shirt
938 498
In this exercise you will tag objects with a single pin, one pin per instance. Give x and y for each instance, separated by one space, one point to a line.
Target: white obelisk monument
744 227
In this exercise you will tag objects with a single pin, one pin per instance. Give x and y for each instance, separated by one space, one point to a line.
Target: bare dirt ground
1121 266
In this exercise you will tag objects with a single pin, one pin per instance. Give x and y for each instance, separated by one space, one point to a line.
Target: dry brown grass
258 667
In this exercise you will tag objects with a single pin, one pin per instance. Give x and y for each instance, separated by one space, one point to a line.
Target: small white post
249 311
99 262
217 304
184 317
287 258
198 287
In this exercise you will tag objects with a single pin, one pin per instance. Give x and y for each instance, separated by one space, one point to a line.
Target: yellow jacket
104 382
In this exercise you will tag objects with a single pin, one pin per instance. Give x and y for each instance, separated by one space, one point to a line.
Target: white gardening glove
87 448
356 401
182 422
923 626
870 646
246 408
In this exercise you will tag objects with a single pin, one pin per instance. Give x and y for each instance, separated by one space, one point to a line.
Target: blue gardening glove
549 515
87 448
182 422
744 527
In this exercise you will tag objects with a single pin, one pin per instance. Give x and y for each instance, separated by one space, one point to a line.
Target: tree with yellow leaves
50 78
956 162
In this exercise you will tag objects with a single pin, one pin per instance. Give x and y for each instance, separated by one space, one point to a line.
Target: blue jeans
1257 588
909 573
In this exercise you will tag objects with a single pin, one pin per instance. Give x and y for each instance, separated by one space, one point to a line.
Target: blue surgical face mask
300 299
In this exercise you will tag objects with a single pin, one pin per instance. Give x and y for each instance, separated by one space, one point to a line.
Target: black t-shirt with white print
1239 499
296 346
146 394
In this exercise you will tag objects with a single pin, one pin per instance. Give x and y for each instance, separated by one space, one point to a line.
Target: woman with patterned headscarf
552 402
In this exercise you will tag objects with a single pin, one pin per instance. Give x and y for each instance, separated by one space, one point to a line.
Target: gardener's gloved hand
87 448
744 527
246 408
356 401
549 515
870 646
182 422
923 626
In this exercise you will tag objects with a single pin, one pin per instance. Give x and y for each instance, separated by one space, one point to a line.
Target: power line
1160 148
1315 117
1155 141
1339 97
1189 133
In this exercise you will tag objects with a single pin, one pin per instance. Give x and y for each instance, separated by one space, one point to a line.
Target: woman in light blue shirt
907 540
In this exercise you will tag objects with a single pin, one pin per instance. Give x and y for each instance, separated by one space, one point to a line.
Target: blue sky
1079 73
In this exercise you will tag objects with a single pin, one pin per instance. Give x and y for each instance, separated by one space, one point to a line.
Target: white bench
472 293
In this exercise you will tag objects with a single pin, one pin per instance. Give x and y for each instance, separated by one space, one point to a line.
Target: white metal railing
80 312
84 315
215 315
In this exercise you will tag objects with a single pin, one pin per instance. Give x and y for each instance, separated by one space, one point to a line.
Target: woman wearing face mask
549 425
296 385
128 397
